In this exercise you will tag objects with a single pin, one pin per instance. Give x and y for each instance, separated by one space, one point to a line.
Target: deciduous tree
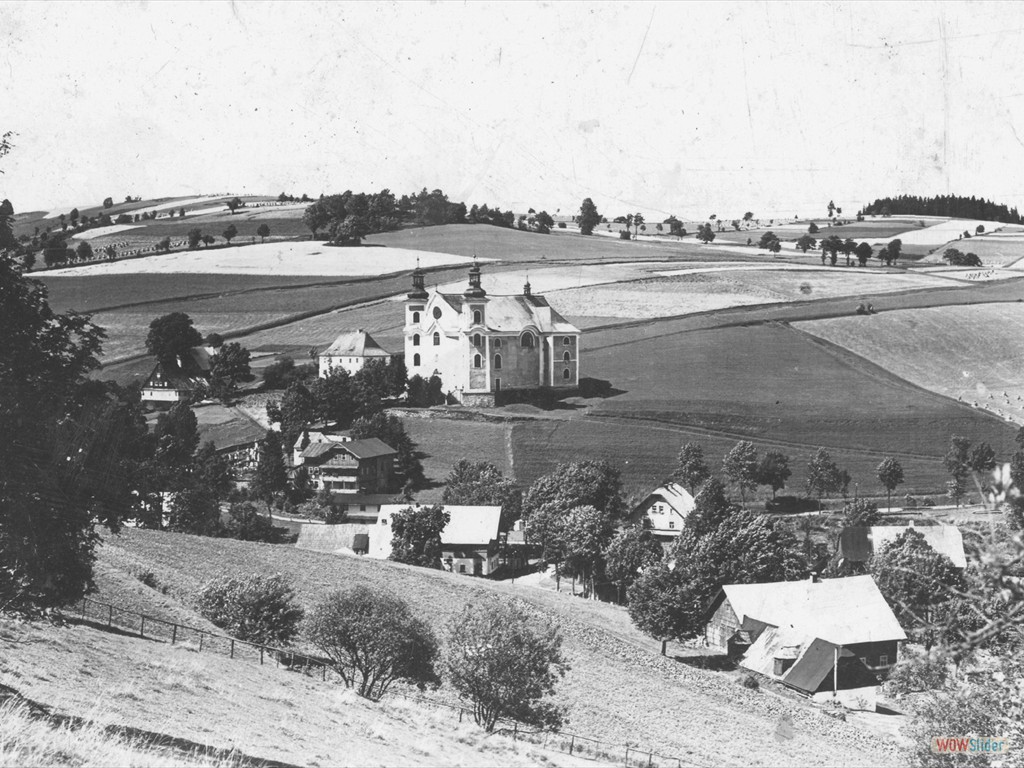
890 475
740 466
589 217
691 469
774 471
416 535
263 231
481 483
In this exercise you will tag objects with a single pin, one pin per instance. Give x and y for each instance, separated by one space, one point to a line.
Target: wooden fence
151 628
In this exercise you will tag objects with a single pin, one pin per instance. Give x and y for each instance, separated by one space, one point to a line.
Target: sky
676 108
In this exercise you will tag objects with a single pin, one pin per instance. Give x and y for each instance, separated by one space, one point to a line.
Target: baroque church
480 345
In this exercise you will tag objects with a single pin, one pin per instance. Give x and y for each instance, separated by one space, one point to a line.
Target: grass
995 250
611 663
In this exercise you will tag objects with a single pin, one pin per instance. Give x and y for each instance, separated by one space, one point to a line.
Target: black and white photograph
491 383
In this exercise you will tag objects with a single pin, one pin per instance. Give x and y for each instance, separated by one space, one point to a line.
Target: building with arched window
483 344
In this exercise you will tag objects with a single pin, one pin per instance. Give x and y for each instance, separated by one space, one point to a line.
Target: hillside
680 705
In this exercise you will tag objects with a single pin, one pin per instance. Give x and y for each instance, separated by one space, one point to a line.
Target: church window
477 361
437 313
437 339
478 317
476 339
416 359
526 341
565 357
416 340
415 317
566 341
565 374
497 343
497 362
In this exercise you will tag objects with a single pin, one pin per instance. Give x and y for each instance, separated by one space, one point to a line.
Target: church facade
480 345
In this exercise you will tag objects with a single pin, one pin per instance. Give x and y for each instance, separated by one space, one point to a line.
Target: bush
258 609
788 505
909 502
861 513
624 235
372 640
247 524
561 225
496 660
749 681
927 501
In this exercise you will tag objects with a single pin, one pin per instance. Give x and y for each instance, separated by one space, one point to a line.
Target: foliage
270 477
704 233
295 411
631 552
503 666
423 393
195 236
861 513
389 430
823 474
193 510
171 336
255 608
585 534
283 372
228 366
691 469
416 535
956 258
589 217
481 483
949 206
773 471
230 233
806 243
373 640
740 466
863 252
333 398
247 524
263 232
890 475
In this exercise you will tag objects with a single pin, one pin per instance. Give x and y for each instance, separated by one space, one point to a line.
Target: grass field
994 250
982 351
610 660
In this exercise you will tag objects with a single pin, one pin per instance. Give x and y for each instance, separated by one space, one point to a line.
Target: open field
610 661
975 353
995 250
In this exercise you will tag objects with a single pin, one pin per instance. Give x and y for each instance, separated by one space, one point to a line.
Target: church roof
511 314
355 344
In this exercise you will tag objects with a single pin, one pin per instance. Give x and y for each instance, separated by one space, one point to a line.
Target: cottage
831 639
470 543
857 544
351 350
480 345
350 466
180 379
663 511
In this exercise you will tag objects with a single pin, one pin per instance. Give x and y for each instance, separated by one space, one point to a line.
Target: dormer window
478 317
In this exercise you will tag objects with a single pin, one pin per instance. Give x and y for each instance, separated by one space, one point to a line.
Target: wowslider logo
944 745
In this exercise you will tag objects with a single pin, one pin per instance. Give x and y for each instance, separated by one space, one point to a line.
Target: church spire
526 287
418 292
474 291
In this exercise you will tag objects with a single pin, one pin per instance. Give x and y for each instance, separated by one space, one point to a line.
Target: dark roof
813 665
369 448
855 544
194 369
361 541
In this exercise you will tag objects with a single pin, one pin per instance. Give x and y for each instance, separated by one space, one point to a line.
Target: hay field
995 250
972 353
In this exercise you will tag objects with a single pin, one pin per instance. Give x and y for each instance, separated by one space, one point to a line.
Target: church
480 345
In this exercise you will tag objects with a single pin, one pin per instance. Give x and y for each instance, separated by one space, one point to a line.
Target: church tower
418 292
474 291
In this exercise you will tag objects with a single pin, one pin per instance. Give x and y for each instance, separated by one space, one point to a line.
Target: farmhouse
346 466
350 351
827 639
480 345
181 379
857 544
470 543
663 511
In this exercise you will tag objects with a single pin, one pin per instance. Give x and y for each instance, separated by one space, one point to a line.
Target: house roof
466 524
355 344
190 370
859 543
511 314
814 660
841 611
677 497
370 448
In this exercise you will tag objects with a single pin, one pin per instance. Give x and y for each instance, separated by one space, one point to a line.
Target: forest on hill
953 206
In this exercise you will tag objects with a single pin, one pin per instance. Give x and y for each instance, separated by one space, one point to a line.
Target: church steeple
418 292
526 287
474 291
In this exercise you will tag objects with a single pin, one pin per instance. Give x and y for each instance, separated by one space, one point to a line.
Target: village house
181 379
858 544
480 345
663 512
339 464
470 543
351 350
830 640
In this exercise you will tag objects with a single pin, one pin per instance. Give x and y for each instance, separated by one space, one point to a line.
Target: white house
350 351
469 543
178 380
663 511
858 544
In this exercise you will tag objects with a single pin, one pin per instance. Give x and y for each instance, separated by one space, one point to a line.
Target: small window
362 507
883 660
566 341
497 343
671 523
415 317
566 358
497 362
416 360
462 567
416 341
476 339
565 374
477 361
383 521
478 317
437 339
526 341
497 385
437 313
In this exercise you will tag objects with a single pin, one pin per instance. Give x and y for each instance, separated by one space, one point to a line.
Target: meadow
998 249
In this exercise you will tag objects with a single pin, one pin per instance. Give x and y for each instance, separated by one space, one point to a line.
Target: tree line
952 206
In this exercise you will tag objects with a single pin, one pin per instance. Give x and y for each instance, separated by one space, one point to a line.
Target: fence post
572 743
110 616
650 759
174 633
323 676
232 649
83 607
261 655
201 636
627 755
515 730
142 627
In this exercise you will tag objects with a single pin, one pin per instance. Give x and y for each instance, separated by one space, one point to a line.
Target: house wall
660 517
344 474
350 363
722 625
872 654
161 394
468 560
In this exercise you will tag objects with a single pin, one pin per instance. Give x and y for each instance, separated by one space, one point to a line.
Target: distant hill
953 206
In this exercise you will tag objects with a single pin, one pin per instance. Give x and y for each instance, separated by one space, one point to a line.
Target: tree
691 469
589 217
895 249
295 412
705 233
172 336
740 466
823 474
263 231
812 229
661 605
638 221
397 376
481 483
229 366
208 240
773 471
108 202
863 251
416 535
748 216
958 464
230 232
831 209
195 236
270 477
576 484
861 513
84 251
890 475
256 608
234 203
503 666
373 639
333 398
766 240
586 533
193 510
631 552
980 229
806 243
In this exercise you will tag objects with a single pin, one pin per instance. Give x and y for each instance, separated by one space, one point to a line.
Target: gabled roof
859 543
355 344
370 448
473 525
840 611
194 369
677 497
511 314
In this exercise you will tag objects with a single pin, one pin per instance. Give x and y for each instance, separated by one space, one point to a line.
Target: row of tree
952 206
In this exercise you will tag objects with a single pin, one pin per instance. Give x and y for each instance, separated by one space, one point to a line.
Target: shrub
927 501
861 513
247 524
785 505
258 609
506 668
749 681
372 640
561 225
624 235
909 502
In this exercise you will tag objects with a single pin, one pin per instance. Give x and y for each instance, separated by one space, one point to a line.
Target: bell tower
418 292
474 291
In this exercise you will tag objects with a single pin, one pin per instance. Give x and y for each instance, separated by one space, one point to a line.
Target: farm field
610 659
982 351
994 250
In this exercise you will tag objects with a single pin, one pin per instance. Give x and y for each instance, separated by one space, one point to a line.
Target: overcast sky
678 108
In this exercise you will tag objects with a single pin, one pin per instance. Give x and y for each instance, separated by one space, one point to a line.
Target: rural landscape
521 472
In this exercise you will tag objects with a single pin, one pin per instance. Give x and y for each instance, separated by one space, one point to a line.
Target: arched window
437 339
416 340
497 343
416 360
566 341
437 313
526 341
478 317
565 374
565 357
415 317
477 361
497 362
476 339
